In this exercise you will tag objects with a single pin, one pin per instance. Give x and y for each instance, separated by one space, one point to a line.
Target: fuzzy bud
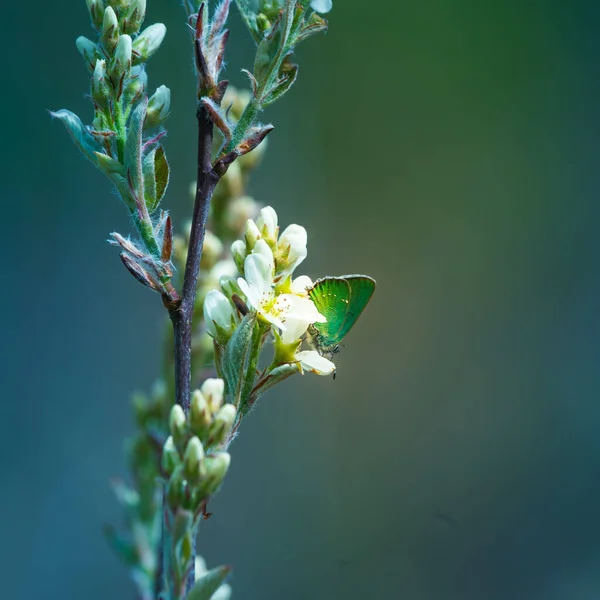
122 59
110 30
137 14
238 251
100 89
136 84
159 107
88 50
213 390
148 42
177 424
219 317
170 456
193 460
200 417
216 469
96 8
251 234
222 425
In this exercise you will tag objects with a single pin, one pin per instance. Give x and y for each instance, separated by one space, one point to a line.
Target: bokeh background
450 150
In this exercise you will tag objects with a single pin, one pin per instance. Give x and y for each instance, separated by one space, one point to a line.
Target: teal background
450 150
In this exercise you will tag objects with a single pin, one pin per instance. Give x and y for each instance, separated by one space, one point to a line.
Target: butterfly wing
361 290
341 300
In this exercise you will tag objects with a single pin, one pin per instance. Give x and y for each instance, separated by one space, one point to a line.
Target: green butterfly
341 301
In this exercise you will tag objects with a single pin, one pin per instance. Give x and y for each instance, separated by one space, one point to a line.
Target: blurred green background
450 150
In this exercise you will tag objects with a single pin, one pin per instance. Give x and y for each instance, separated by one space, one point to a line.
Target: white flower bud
159 107
96 8
88 50
238 251
170 456
177 423
122 59
219 316
252 234
240 210
224 420
200 417
137 13
149 41
193 459
267 224
100 88
110 30
291 249
216 469
213 390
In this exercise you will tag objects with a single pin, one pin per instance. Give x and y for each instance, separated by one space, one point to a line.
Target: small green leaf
133 145
208 584
161 167
281 86
124 548
109 165
236 356
156 177
249 16
83 139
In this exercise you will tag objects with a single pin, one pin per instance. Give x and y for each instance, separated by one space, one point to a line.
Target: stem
181 312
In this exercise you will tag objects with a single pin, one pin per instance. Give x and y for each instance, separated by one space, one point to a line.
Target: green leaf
122 547
208 584
281 86
248 13
133 145
83 139
156 177
236 356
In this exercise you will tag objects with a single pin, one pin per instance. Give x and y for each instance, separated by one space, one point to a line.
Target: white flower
312 361
291 313
321 6
291 249
219 315
267 223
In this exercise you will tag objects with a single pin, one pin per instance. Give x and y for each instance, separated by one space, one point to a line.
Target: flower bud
219 316
88 50
216 469
170 456
238 251
135 85
193 460
200 417
267 224
159 107
96 8
101 91
262 23
321 6
213 390
148 42
252 234
291 249
176 488
137 14
110 30
177 424
222 424
121 62
239 211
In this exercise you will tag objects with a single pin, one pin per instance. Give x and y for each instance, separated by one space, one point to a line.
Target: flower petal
301 284
315 363
258 273
293 242
217 311
294 329
262 248
252 294
304 308
267 222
